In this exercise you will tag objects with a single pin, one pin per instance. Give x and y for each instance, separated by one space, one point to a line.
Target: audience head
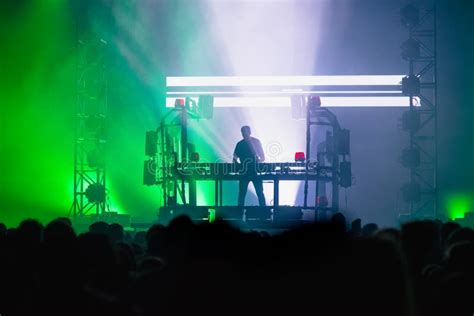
99 228
388 234
155 240
184 262
58 231
116 232
356 227
339 219
421 243
29 235
369 229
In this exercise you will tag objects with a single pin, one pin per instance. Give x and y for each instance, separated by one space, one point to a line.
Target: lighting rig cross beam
279 91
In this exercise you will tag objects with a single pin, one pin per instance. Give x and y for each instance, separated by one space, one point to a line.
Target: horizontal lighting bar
243 81
281 102
292 91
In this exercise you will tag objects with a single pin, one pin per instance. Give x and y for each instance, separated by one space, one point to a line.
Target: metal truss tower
90 194
420 121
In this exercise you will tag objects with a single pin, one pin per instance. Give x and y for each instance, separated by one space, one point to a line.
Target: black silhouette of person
249 152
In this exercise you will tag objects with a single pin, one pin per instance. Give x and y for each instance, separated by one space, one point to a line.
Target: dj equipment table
275 172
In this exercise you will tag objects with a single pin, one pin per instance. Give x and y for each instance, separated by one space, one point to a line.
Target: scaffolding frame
424 138
90 126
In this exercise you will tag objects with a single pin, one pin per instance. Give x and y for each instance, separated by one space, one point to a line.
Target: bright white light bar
246 81
285 92
223 102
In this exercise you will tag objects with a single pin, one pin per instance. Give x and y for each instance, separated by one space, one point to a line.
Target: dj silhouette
249 153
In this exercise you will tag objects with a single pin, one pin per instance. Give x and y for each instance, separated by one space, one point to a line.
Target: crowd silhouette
423 268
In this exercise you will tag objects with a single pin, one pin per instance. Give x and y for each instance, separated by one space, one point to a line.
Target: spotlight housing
410 16
411 85
345 174
343 141
95 193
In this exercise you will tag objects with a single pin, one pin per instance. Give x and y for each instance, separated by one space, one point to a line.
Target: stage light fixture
345 174
411 85
410 16
343 141
299 156
314 102
411 49
179 103
95 193
410 157
411 192
411 121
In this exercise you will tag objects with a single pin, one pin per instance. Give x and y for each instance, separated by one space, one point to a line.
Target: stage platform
251 217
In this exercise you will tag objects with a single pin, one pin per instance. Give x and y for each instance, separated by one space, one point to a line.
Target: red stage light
179 103
314 101
299 156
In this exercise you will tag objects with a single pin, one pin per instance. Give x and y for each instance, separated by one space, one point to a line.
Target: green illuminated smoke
38 73
458 204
